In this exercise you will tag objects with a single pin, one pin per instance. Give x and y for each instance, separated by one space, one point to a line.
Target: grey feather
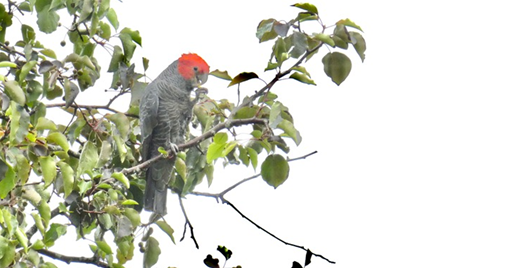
165 112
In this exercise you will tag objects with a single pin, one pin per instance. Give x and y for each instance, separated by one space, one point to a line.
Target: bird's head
193 69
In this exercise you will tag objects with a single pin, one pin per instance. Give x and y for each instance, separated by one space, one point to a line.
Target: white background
413 149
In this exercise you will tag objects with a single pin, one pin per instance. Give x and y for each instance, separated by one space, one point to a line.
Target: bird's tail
157 177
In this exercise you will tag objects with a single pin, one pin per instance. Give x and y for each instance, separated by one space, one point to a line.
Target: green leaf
246 112
220 137
49 53
301 69
299 43
221 74
8 64
47 20
71 92
56 230
359 44
23 168
214 152
38 222
20 120
86 9
265 30
128 45
245 76
104 6
9 180
104 30
302 78
59 139
49 169
275 115
27 33
7 252
280 51
180 167
275 170
67 176
45 212
304 16
152 251
350 23
105 154
121 148
290 130
135 35
88 158
167 229
14 92
22 238
308 7
253 157
116 59
145 63
121 178
337 66
133 216
324 38
112 18
103 246
121 122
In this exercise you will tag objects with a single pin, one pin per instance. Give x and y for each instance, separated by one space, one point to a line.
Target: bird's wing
148 118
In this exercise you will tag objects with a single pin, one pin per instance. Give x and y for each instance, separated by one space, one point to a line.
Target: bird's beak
200 80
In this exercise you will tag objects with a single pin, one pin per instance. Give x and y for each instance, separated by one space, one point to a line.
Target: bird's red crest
188 63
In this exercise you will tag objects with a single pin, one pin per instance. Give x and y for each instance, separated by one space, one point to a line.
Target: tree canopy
89 170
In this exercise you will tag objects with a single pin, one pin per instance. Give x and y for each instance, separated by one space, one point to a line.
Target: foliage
89 170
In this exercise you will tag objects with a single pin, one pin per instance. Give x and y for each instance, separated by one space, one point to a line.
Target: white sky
412 169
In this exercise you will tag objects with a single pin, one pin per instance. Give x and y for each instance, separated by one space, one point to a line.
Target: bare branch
272 235
221 196
70 259
187 223
75 106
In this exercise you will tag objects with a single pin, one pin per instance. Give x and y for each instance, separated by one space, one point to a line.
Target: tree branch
70 259
187 223
221 196
276 78
272 235
76 106
195 141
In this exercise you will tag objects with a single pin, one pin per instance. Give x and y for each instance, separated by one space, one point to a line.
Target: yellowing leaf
167 229
221 74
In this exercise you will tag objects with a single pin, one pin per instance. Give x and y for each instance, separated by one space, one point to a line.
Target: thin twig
272 235
187 223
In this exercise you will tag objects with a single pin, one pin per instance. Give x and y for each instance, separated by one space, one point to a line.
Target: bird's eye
195 69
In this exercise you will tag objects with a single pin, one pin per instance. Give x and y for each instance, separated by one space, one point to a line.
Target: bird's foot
174 148
200 92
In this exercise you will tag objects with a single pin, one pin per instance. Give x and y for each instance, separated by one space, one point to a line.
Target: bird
165 113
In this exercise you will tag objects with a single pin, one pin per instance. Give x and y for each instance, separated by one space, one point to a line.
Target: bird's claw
199 92
174 148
